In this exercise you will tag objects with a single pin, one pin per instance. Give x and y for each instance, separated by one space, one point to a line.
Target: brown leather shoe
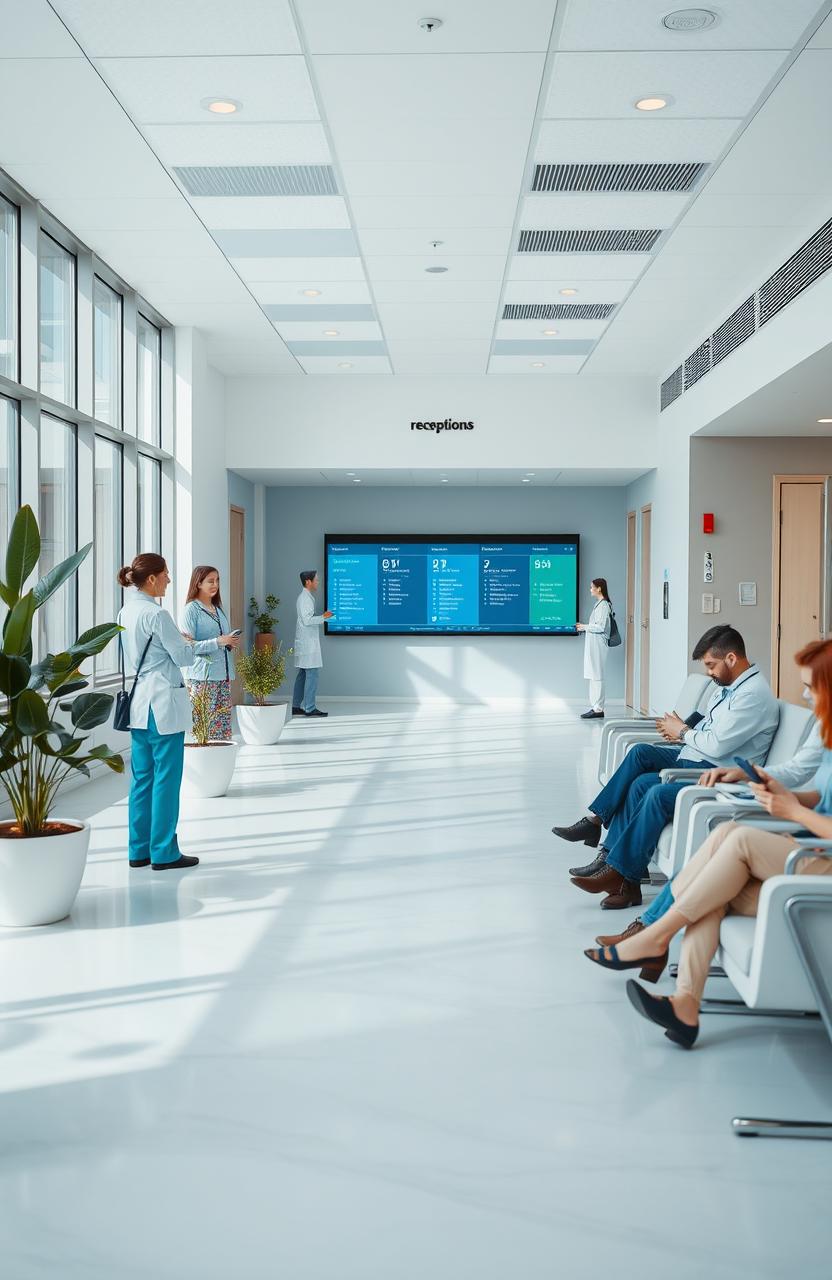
605 880
613 939
627 894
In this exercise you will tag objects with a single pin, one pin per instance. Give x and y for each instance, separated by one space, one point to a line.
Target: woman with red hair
726 875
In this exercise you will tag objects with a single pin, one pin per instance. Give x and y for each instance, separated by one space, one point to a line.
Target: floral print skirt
219 706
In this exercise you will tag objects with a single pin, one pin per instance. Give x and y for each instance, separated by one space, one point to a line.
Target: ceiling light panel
274 213
617 177
598 212
744 24
159 28
258 180
376 26
610 240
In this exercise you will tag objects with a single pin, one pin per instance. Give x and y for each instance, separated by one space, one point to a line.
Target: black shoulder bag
613 639
121 714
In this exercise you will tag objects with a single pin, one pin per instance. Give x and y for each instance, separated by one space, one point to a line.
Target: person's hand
328 613
768 784
712 776
781 803
672 727
230 642
580 626
186 635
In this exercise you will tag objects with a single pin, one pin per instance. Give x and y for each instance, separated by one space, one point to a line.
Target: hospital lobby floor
360 1040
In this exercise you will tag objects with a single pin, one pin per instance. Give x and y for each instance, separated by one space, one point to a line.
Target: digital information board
455 585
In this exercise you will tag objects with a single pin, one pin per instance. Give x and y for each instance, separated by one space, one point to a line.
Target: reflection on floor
361 1041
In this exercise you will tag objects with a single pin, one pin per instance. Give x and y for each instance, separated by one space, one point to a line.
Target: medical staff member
596 648
160 712
308 658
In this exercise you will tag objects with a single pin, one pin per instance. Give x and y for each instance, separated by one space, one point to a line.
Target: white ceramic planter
40 876
208 770
261 726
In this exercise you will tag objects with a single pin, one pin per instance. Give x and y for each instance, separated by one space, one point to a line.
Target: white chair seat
736 938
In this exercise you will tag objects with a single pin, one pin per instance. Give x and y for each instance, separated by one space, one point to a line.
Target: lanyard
215 617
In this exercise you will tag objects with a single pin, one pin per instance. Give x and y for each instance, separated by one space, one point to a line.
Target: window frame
98 278
15 207
72 488
73 356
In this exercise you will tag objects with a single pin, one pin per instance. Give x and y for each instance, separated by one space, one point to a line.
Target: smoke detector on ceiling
430 24
690 20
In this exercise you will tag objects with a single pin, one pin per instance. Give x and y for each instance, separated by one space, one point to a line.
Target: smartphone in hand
748 769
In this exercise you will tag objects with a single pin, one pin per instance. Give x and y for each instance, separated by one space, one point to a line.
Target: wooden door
630 637
237 584
644 642
798 568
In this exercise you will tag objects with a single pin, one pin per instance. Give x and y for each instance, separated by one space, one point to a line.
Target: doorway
644 643
237 576
630 636
798 570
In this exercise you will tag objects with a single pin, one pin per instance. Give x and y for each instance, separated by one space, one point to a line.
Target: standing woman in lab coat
160 711
597 632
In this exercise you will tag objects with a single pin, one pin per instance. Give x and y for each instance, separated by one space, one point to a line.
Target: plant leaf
91 709
14 675
79 765
72 687
17 631
55 578
30 714
94 640
7 596
23 550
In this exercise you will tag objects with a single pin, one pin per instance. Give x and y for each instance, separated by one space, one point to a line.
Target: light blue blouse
823 783
200 623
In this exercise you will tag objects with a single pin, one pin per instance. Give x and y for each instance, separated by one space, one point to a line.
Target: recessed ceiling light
531 473
344 364
330 333
350 473
525 481
436 271
311 293
655 102
356 481
538 364
690 20
549 333
568 293
221 106
444 480
824 419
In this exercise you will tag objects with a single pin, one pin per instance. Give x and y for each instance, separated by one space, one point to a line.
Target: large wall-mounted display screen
514 584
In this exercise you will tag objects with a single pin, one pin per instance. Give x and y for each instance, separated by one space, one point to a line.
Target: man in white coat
308 658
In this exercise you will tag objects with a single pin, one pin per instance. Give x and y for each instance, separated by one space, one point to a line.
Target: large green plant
262 672
266 620
37 752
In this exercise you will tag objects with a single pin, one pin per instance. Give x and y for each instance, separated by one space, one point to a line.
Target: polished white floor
361 1041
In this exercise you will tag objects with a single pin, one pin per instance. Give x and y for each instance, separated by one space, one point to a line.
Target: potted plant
42 858
262 673
209 762
264 620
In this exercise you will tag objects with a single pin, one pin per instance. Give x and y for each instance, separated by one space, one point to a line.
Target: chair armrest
809 847
682 775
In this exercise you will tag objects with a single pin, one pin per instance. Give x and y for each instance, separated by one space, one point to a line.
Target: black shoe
316 712
585 829
592 715
660 1011
181 862
140 862
591 867
298 711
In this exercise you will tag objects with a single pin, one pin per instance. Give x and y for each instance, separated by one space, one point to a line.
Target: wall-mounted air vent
673 387
733 331
258 179
801 270
616 177
558 310
587 241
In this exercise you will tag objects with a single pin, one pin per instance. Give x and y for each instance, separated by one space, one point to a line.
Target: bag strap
138 668
215 617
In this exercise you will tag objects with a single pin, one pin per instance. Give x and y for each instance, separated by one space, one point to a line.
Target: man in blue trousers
636 805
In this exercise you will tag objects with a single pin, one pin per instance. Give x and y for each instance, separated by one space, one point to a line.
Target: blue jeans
636 805
660 904
156 761
306 686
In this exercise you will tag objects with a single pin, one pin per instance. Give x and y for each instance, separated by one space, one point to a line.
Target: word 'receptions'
447 424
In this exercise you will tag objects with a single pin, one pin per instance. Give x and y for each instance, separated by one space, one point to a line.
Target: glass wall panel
9 305
58 492
9 469
149 390
108 544
150 505
107 348
57 321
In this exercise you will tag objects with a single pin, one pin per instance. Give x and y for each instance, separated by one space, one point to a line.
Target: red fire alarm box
708 522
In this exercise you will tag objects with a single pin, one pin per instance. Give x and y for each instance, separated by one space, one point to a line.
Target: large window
149 375
58 487
9 470
108 542
107 353
9 303
150 505
57 320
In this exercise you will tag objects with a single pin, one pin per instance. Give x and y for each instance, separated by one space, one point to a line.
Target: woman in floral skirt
205 619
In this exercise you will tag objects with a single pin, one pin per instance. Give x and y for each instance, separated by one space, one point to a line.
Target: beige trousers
726 875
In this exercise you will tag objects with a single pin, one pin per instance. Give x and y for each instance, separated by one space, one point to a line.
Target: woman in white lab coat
597 632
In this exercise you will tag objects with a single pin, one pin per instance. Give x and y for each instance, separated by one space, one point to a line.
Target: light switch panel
707 602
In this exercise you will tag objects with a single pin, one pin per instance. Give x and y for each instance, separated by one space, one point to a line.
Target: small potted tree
209 762
264 621
262 672
42 857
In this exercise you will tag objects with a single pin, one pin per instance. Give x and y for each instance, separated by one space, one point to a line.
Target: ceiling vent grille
698 363
672 387
801 270
258 179
587 241
558 310
733 331
616 177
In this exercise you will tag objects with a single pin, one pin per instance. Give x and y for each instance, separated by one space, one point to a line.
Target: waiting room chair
618 736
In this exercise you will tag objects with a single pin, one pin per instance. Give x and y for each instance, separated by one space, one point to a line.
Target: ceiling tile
435 289
240 143
34 31
823 38
533 330
312 331
223 213
578 266
599 212
743 24
324 314
259 243
262 270
550 290
462 178
637 141
462 212
522 364
454 320
377 26
333 293
346 350
550 348
415 241
252 358
166 28
454 356
86 214
333 365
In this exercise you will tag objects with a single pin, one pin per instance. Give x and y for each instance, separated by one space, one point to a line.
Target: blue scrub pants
306 687
156 760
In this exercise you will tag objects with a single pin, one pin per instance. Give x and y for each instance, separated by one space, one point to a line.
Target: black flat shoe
591 867
316 712
660 1010
181 862
140 862
586 830
592 715
298 711
652 967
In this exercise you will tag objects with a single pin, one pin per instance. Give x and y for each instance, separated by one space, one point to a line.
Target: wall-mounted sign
447 424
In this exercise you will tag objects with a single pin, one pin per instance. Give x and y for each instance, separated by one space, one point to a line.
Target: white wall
201 480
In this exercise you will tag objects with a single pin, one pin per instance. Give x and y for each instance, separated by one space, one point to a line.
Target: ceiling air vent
802 269
258 179
733 331
672 387
558 310
616 177
698 363
587 241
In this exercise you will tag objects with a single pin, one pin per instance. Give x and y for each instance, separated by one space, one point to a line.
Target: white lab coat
595 645
159 687
308 632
